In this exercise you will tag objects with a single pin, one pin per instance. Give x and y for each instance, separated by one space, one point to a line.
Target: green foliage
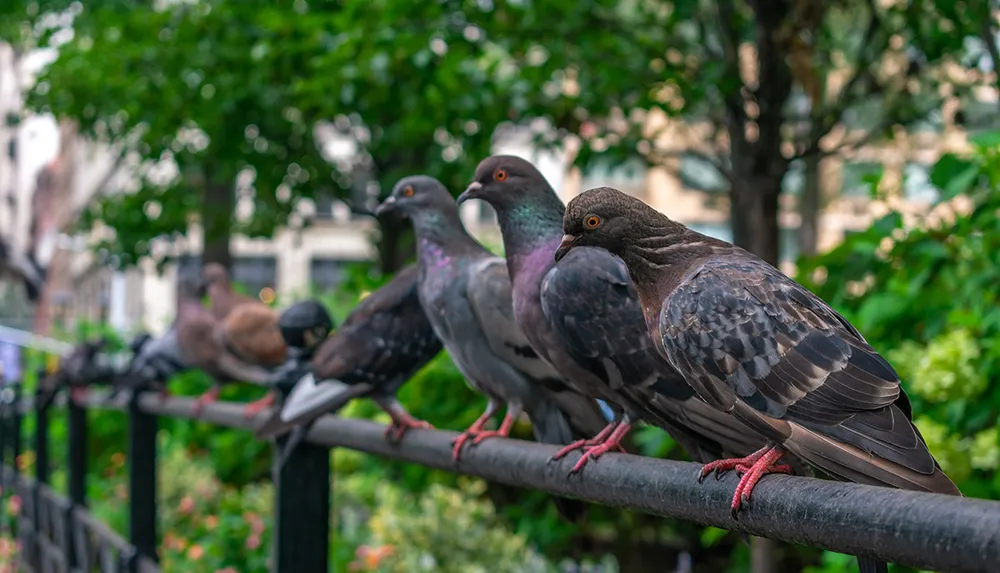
925 295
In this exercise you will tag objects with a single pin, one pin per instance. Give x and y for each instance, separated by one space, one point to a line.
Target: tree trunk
754 214
809 206
216 220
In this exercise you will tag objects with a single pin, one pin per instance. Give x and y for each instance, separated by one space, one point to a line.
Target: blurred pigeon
754 343
247 331
381 344
583 315
23 268
81 368
466 292
154 361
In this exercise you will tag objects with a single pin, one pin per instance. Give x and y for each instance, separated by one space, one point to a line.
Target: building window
788 239
975 115
189 266
254 274
699 174
327 274
859 177
917 183
324 206
628 177
795 178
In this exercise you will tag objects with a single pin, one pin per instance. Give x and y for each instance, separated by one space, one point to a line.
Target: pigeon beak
470 192
387 206
568 241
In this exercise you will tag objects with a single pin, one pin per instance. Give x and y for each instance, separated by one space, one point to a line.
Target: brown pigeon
248 330
756 344
203 343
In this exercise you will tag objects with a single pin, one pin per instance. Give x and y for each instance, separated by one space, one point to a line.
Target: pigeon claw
720 467
488 434
460 441
767 463
258 406
595 441
608 443
204 400
398 428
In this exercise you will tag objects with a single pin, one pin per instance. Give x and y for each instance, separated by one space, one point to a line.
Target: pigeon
81 368
154 361
466 293
247 331
582 314
754 343
383 342
23 268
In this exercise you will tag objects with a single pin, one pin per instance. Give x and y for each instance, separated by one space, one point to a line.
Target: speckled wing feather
380 345
750 336
591 301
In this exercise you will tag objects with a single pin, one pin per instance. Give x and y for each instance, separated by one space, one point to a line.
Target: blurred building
685 186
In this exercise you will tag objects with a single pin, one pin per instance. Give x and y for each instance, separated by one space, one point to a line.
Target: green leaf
953 175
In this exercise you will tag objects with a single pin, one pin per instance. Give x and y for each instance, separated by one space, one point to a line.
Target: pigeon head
503 180
414 194
214 274
605 218
190 288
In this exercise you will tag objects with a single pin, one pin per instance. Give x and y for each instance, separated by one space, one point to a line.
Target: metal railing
929 531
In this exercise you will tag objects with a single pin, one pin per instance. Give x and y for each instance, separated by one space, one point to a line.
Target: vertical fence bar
302 510
4 433
142 481
76 421
77 429
41 476
15 431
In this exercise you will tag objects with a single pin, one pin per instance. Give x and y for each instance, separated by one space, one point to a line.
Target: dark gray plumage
756 344
383 342
466 292
582 314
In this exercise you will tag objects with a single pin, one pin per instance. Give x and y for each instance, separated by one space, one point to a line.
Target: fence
929 531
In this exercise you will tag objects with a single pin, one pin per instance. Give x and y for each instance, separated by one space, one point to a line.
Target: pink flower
226 570
187 505
14 504
211 522
196 552
253 542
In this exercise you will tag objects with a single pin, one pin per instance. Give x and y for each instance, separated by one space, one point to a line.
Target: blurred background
854 143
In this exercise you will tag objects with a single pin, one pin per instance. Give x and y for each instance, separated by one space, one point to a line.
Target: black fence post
76 421
77 429
142 481
35 548
302 510
15 431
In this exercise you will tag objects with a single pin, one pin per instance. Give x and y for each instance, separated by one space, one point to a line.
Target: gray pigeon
755 344
582 314
466 292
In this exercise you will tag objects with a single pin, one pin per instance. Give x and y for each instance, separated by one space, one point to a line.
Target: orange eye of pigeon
592 221
407 191
500 175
